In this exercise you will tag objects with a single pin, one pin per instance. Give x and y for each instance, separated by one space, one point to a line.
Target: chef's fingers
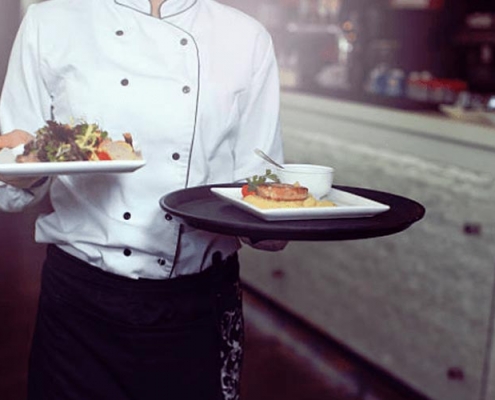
15 138
266 245
21 182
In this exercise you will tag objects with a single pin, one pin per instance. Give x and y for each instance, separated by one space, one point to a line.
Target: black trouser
100 336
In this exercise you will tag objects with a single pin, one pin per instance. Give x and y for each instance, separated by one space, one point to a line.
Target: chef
135 305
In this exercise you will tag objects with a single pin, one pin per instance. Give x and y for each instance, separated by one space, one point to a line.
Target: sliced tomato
103 156
245 191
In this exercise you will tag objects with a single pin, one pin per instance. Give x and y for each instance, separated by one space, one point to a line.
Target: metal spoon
265 157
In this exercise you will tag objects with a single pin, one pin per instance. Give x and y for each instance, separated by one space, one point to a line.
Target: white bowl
317 178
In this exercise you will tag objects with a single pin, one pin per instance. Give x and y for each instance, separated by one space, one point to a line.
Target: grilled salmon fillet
281 192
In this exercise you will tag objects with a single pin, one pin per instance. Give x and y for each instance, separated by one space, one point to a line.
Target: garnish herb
260 179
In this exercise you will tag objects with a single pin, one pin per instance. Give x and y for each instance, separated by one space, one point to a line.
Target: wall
9 20
19 271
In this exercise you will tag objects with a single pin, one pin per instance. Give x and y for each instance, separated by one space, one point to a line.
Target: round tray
199 208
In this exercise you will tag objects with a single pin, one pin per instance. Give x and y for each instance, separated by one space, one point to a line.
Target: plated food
271 195
68 149
347 205
57 142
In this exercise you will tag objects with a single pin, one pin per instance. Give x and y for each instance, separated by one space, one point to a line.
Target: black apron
100 336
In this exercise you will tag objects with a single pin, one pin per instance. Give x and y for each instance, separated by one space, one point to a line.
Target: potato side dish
56 142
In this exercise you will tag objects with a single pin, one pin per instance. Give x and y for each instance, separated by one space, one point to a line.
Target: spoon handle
265 157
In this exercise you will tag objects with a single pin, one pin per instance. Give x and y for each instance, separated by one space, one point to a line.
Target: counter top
423 123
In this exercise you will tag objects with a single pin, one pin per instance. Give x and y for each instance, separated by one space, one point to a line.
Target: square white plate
348 205
8 166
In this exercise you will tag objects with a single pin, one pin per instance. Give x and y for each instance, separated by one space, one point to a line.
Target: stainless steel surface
425 295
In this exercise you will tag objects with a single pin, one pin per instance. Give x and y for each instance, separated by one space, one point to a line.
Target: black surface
201 209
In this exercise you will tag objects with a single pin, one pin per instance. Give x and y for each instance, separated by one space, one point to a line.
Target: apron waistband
222 270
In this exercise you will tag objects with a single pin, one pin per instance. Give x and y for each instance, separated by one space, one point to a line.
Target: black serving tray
199 208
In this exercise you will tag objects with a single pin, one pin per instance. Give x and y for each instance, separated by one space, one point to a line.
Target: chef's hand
15 138
267 245
9 141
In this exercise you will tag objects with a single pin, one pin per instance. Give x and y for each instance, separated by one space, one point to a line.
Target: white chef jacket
197 88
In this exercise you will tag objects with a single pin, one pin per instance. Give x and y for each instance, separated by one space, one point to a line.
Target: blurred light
347 26
351 37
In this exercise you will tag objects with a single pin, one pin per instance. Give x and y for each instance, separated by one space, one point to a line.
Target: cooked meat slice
31 157
281 192
118 150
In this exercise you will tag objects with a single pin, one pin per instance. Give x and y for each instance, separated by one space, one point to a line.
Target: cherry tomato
245 191
103 156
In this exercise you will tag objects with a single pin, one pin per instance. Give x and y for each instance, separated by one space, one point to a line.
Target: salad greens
63 142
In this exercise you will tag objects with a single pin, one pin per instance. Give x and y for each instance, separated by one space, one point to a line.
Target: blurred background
411 54
396 95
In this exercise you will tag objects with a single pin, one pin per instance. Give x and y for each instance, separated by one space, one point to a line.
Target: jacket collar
168 9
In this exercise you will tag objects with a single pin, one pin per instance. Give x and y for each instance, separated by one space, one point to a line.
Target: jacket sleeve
24 103
259 125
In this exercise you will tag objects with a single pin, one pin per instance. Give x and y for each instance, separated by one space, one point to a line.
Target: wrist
32 187
38 183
